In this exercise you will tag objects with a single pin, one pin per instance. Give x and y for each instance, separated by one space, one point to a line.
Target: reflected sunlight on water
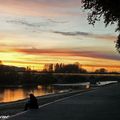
14 94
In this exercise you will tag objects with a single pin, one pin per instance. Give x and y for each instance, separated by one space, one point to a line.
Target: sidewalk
100 104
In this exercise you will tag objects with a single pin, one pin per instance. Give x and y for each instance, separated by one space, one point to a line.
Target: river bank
18 106
13 108
102 103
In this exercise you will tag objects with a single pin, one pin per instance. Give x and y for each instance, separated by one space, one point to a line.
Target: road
100 104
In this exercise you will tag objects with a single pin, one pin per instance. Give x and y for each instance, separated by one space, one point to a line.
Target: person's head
31 96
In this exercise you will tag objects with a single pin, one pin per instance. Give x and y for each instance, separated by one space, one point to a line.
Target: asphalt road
100 104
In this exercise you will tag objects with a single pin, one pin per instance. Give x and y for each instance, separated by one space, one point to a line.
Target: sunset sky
36 32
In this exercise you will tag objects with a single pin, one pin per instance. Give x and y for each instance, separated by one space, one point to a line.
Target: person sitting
32 103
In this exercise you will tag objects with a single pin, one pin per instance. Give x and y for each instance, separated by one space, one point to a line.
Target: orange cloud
38 57
68 52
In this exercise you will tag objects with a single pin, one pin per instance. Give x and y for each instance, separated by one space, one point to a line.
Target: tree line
11 75
64 68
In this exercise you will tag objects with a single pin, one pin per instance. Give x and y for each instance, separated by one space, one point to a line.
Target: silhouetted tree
108 9
118 43
57 67
45 69
69 68
48 68
101 70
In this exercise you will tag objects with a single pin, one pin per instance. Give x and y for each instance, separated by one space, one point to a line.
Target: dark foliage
101 70
118 43
47 79
74 79
15 76
108 9
62 68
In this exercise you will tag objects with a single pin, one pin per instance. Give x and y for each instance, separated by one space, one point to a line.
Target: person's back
32 103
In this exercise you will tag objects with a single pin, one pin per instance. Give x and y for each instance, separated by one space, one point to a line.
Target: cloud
89 35
28 23
68 52
72 33
23 22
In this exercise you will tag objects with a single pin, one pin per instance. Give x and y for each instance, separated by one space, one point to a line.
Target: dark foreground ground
100 104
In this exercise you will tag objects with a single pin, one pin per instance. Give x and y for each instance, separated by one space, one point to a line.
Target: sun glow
37 62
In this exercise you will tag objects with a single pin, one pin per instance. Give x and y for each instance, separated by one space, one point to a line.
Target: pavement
103 103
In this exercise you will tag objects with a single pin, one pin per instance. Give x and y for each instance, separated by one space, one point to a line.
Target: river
13 94
18 93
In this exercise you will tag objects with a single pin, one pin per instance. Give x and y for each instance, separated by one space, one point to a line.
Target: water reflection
14 94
